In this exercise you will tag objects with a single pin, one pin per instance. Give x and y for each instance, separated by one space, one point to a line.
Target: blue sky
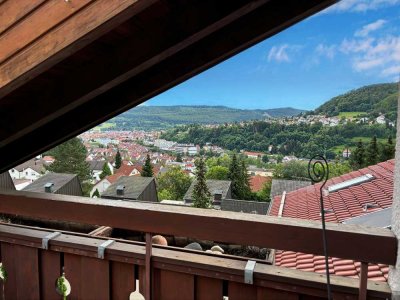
351 44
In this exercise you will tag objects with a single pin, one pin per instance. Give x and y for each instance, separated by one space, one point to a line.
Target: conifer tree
235 177
106 171
179 157
372 153
118 160
147 170
388 150
358 156
96 194
201 195
244 190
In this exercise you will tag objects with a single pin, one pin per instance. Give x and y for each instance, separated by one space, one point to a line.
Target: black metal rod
318 171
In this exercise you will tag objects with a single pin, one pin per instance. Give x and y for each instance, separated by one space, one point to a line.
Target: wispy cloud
325 50
367 29
282 53
359 5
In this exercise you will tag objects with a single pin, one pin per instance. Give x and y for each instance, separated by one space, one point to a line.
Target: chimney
120 190
48 187
217 196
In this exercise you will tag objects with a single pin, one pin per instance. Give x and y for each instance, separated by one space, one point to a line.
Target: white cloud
325 50
370 54
283 53
367 29
360 5
279 53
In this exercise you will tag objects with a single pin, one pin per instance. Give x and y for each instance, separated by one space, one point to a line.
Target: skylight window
351 182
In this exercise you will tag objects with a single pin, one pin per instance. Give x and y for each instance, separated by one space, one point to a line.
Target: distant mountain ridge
371 99
162 117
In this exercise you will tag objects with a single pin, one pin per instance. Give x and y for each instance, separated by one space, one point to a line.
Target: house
219 190
31 169
346 153
132 188
104 183
255 171
20 184
359 197
6 182
244 206
253 154
279 186
96 168
56 183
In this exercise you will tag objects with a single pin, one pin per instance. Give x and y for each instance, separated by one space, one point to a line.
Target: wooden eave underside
68 66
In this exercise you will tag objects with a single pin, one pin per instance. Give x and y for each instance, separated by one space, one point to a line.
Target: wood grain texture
208 288
122 280
171 285
50 270
12 11
39 22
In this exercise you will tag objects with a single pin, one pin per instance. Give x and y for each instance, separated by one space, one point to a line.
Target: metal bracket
248 271
102 248
47 238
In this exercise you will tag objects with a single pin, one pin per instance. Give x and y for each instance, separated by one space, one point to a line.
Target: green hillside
162 117
371 99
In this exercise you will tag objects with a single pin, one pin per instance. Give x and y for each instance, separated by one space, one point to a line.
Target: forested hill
371 99
162 117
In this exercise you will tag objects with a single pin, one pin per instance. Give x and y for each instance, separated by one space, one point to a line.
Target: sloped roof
96 164
35 164
280 185
257 182
58 179
6 182
251 207
213 186
134 187
345 204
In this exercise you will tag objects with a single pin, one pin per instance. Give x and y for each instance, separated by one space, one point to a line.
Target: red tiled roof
125 170
113 178
346 203
257 182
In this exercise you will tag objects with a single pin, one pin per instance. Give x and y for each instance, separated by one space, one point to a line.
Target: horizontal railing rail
345 241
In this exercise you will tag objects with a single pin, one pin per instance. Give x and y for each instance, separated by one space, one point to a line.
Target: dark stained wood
271 294
89 277
208 288
199 265
196 46
122 280
363 281
38 23
149 250
171 285
23 270
50 270
241 291
102 231
13 11
244 229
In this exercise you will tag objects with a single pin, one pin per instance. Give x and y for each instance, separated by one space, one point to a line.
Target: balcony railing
175 273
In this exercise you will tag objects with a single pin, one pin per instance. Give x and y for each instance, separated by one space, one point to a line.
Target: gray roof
280 185
381 218
134 187
245 206
213 186
6 182
96 164
35 164
58 179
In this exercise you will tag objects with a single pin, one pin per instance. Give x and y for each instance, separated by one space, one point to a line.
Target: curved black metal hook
318 171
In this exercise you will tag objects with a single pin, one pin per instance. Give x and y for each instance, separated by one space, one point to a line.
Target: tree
106 171
147 170
292 170
357 158
372 153
265 159
201 195
234 176
165 195
265 193
388 150
118 160
244 187
70 157
96 194
218 172
179 157
174 183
